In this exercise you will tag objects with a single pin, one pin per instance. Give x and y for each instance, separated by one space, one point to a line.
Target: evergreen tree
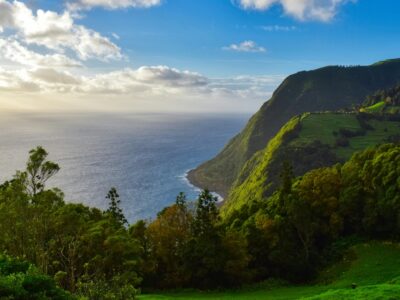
114 206
206 214
181 200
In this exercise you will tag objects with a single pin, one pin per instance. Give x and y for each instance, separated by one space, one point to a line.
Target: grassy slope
322 126
329 88
374 267
261 174
377 107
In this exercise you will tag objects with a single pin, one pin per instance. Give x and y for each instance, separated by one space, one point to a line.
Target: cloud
319 10
51 76
6 11
278 28
56 31
148 88
247 87
148 81
153 80
246 46
111 4
14 51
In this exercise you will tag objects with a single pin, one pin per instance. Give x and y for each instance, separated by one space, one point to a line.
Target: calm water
145 156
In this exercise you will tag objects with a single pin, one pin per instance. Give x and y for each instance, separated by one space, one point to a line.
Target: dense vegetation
326 89
293 234
89 252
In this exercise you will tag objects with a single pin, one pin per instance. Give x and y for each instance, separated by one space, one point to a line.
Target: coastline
189 179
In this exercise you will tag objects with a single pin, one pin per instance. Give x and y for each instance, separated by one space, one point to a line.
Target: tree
181 200
206 214
168 236
39 170
114 209
204 254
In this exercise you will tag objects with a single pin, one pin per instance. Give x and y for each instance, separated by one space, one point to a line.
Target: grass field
374 267
323 126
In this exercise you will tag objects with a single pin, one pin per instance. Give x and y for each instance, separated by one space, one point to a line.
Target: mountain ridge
328 88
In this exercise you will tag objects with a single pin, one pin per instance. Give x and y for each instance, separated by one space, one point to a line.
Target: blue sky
226 49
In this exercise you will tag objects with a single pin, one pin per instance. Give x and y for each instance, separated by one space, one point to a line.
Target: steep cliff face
307 142
329 88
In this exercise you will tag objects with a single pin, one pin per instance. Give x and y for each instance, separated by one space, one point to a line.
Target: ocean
145 156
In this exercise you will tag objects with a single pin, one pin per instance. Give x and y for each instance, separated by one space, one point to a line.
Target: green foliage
358 198
19 280
290 234
190 248
83 248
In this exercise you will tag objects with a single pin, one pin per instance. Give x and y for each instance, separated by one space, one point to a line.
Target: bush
20 281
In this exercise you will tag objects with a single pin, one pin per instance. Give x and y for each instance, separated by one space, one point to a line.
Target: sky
179 55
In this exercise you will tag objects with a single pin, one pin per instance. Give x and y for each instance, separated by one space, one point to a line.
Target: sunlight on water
144 156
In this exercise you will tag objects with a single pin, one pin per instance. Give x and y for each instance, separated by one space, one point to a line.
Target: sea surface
145 156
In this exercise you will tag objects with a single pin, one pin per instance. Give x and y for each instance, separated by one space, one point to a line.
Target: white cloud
146 79
246 46
278 28
51 76
112 4
153 80
320 10
56 31
14 51
148 82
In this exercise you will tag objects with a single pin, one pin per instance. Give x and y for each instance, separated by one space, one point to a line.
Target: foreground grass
374 267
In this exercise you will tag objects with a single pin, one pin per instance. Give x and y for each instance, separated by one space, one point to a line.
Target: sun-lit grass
377 107
382 130
373 267
324 125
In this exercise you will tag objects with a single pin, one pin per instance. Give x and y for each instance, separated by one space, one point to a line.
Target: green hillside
309 141
373 267
330 88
